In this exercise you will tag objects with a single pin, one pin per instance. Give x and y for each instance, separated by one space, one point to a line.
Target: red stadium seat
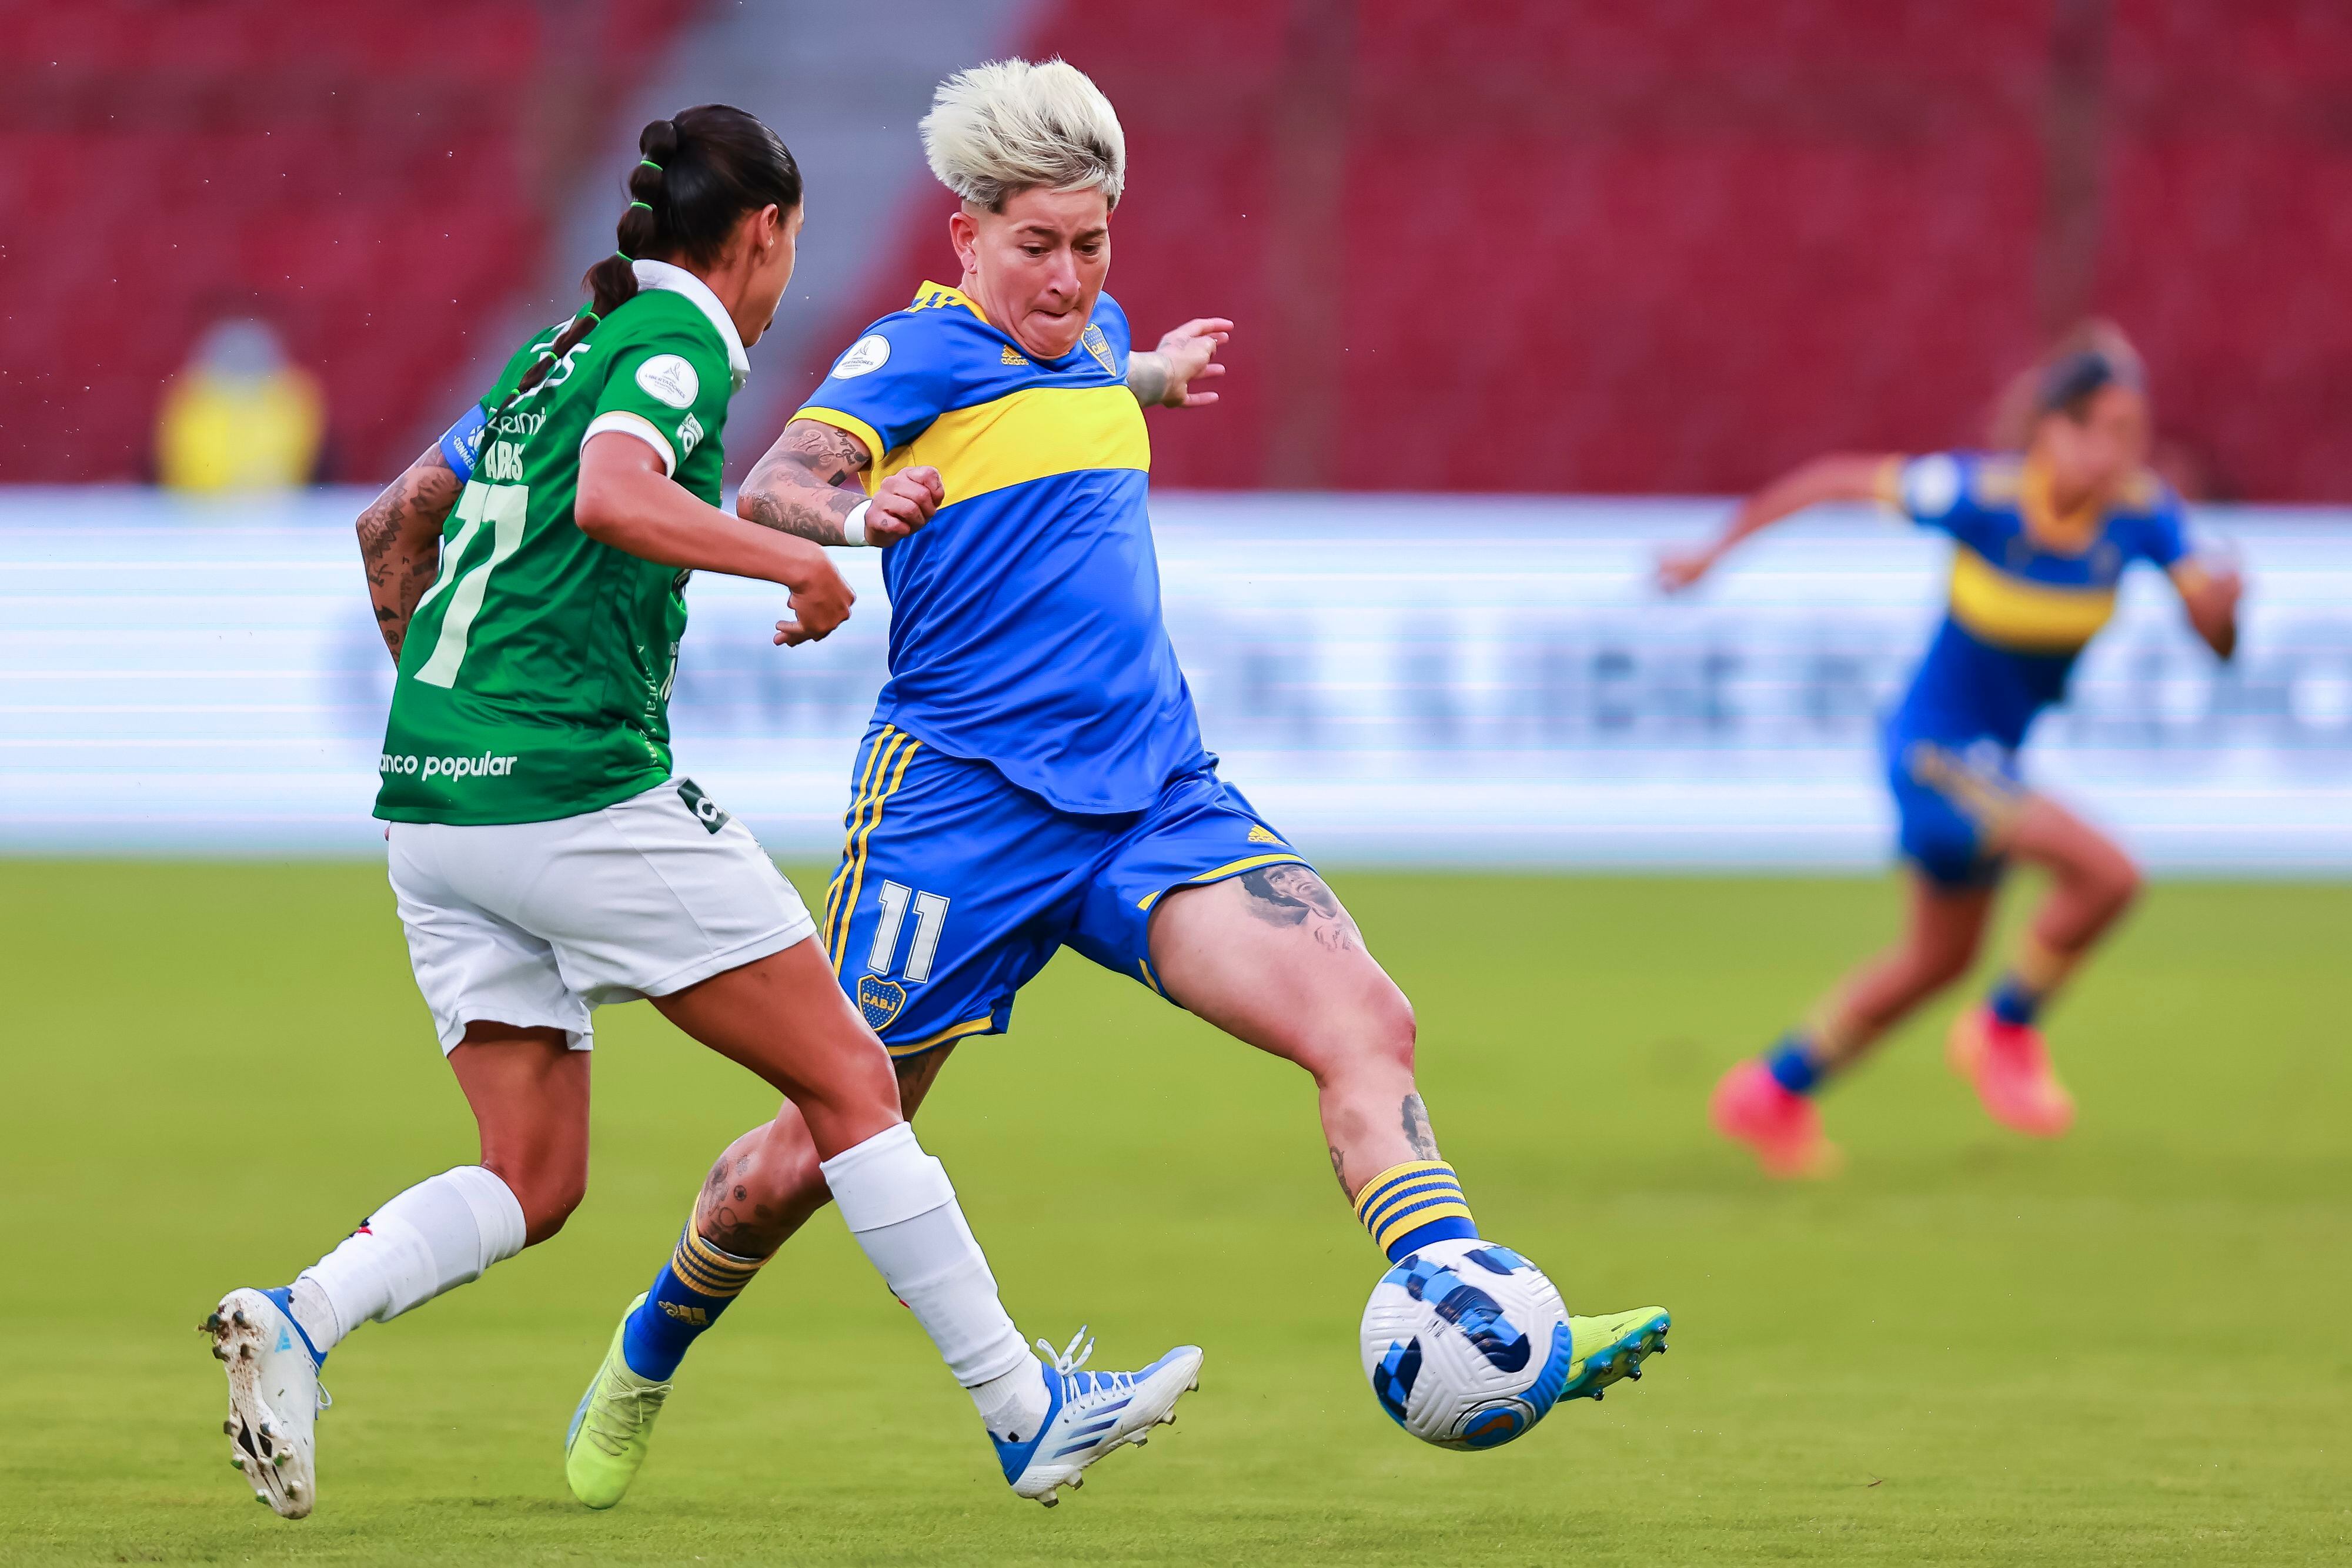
1676 246
369 183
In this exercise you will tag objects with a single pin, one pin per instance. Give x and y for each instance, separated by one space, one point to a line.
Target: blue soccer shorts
1956 803
956 886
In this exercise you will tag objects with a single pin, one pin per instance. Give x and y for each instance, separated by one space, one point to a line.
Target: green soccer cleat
613 1427
1611 1348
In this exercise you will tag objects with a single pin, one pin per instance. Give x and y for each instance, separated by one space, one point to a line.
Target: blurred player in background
545 860
2040 540
1035 777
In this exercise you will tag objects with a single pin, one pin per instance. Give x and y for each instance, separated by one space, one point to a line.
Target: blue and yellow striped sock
1412 1205
2014 1002
692 1289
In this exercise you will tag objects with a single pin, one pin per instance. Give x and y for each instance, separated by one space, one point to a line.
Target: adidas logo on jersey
1260 836
1010 357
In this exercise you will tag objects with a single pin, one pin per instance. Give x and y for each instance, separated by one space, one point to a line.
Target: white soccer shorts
535 924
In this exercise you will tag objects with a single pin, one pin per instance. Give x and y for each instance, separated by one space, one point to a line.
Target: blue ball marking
1492 1428
1480 1319
1392 1385
1544 1393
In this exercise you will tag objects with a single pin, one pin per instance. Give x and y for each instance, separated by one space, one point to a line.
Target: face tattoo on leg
1291 894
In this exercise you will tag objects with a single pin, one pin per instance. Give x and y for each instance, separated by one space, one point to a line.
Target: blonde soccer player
1034 778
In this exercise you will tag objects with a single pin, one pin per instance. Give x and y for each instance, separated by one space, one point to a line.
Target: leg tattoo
1293 895
1417 1129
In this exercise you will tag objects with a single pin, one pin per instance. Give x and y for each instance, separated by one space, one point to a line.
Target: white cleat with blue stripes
1093 1413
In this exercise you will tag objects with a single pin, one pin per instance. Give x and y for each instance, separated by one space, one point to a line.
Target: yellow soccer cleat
613 1427
1611 1347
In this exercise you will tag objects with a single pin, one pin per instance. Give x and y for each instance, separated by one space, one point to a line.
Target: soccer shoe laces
1071 1357
1078 1384
616 1416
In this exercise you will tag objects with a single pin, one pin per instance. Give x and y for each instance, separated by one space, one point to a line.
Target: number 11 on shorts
931 915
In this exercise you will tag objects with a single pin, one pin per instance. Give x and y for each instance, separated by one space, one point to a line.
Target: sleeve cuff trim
638 425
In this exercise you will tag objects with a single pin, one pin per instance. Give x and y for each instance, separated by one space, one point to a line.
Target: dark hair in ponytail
698 173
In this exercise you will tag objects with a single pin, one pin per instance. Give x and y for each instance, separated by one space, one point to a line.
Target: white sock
1015 1405
438 1234
899 1205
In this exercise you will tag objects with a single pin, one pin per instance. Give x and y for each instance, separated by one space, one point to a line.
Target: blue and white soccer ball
1467 1344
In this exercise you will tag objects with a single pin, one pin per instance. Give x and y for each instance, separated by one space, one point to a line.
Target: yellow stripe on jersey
1231 868
849 840
856 427
1034 434
906 754
2012 612
940 296
953 1032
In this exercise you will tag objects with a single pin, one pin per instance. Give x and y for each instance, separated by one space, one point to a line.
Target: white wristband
853 526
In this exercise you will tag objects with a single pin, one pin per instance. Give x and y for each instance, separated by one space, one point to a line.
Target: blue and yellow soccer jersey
2030 588
1025 618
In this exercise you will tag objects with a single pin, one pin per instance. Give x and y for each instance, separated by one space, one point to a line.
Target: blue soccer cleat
1093 1413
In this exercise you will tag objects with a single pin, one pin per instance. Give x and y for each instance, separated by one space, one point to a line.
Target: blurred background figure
241 416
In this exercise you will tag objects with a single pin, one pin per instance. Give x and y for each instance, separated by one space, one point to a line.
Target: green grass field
2125 1348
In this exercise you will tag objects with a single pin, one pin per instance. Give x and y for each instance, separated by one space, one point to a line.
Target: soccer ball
1467 1344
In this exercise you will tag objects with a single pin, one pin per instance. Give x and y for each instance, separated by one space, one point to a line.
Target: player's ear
963 233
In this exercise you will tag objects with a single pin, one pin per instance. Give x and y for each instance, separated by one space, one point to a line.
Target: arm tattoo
1294 896
1342 1175
1418 1133
1147 378
807 483
400 541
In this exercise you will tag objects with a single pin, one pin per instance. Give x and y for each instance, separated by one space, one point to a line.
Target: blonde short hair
1015 125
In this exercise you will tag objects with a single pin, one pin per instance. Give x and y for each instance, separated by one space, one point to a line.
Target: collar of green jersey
678 280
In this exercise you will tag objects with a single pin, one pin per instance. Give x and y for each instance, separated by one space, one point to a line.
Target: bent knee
548 1197
1376 1035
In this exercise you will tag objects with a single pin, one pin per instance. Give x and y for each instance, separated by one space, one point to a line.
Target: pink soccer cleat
2010 1068
1784 1128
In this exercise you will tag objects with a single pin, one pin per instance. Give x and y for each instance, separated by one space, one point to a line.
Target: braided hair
698 173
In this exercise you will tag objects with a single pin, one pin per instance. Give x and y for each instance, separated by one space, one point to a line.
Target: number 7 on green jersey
504 507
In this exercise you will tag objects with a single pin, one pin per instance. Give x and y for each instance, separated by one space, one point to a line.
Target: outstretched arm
627 500
1840 476
400 541
808 485
2210 591
1163 378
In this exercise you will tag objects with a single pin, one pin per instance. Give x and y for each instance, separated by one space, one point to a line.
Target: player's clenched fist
820 601
903 503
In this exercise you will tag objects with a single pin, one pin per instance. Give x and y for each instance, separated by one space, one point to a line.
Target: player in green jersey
528 574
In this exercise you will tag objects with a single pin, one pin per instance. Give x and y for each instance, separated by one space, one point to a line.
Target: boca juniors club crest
1099 347
880 1000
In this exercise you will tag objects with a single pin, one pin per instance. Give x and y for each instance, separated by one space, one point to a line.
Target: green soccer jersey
534 683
